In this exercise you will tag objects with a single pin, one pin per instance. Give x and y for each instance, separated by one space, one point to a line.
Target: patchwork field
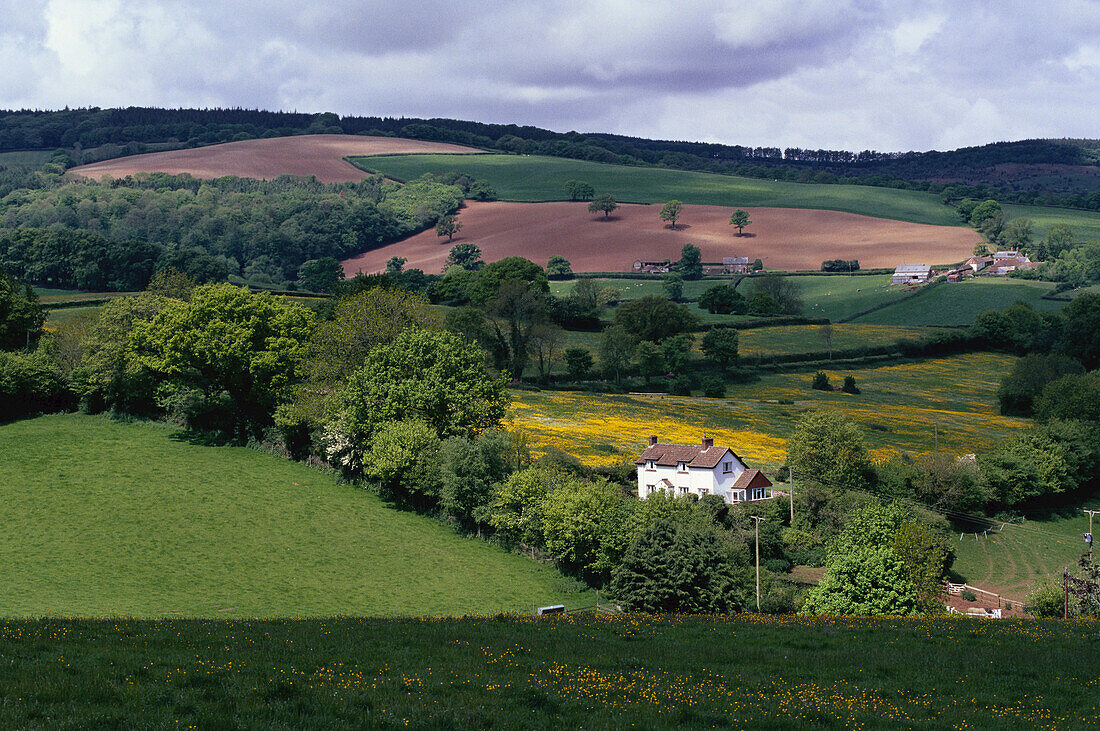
947 404
746 671
536 178
103 518
783 238
318 155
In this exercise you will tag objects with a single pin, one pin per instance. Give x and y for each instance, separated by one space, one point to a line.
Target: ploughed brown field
784 238
319 155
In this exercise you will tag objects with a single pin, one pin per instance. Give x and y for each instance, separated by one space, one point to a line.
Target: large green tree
828 446
740 219
21 318
690 264
720 345
604 203
671 212
654 318
424 374
228 346
587 527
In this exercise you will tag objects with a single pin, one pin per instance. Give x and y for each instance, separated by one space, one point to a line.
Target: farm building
912 274
1009 261
978 263
699 469
657 267
735 264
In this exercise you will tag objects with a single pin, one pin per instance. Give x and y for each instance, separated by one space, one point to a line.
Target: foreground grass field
946 404
535 178
102 518
571 672
1013 558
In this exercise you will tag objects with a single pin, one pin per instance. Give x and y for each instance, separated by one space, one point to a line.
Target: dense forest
1049 172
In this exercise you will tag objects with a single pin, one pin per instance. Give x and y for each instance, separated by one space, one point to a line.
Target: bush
1046 600
714 387
968 596
821 382
681 385
849 385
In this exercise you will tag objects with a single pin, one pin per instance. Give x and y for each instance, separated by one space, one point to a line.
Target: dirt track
320 155
784 238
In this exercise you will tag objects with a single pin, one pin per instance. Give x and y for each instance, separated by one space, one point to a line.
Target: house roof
750 479
669 455
913 269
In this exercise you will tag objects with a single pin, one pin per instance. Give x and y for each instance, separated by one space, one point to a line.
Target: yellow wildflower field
947 404
764 341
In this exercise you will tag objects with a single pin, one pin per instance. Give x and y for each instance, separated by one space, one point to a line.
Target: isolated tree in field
578 362
690 264
467 256
558 267
448 226
673 285
740 219
578 190
850 386
671 212
719 344
603 203
654 318
829 446
227 342
616 348
395 265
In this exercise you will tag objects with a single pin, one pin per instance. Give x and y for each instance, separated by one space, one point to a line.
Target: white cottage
699 469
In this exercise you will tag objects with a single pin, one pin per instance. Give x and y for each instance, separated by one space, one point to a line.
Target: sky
835 74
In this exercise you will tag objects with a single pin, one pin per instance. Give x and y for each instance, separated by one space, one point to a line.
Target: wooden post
757 519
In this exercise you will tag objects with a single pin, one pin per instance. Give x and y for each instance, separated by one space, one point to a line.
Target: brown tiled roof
750 479
669 455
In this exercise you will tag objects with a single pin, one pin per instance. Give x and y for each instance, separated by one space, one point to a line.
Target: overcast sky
850 74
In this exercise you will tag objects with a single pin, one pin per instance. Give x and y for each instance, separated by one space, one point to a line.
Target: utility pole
1065 593
792 497
757 519
1089 538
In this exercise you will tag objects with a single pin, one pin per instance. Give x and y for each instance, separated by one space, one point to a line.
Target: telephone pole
1091 513
792 497
757 519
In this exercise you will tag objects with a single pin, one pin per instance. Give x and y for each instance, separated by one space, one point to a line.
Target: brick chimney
653 440
708 442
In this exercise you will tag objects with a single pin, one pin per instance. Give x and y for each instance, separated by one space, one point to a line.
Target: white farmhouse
699 469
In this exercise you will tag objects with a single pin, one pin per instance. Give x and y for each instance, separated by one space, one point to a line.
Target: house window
683 491
682 466
650 489
703 491
727 467
649 464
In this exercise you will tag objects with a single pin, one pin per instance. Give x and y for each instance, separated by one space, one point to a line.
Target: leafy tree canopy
21 318
654 318
827 445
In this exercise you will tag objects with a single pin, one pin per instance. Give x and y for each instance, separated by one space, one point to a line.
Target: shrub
821 382
968 596
849 385
714 387
681 385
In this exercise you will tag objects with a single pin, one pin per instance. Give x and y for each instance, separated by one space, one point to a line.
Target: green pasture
960 303
1085 224
791 339
103 518
1013 558
64 315
535 178
744 671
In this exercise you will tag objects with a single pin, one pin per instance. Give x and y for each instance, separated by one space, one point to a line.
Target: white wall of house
696 480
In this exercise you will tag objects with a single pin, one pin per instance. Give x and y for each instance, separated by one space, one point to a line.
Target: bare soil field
784 238
319 155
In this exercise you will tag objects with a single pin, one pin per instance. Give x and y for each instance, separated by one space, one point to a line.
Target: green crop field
745 671
1011 560
1085 224
946 404
960 303
102 518
535 178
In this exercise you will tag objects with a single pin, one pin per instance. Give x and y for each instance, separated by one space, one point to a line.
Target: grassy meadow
1012 559
946 403
960 303
1085 224
104 518
746 671
536 178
